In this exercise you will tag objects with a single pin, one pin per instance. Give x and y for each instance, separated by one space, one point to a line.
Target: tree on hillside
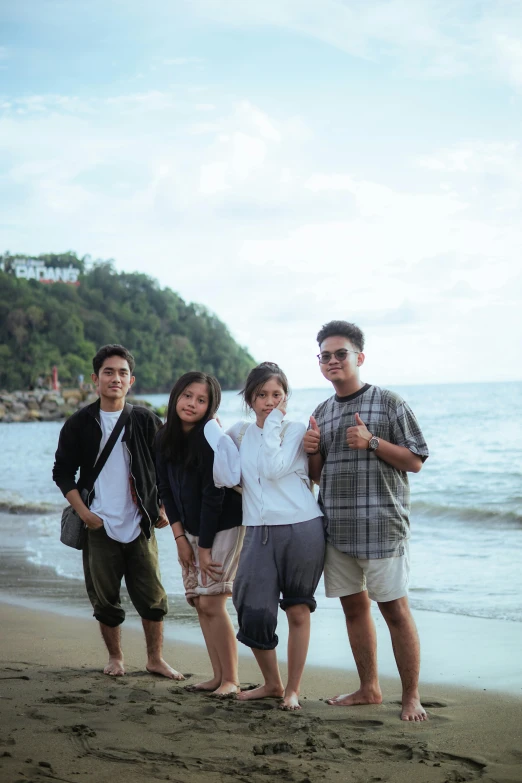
45 325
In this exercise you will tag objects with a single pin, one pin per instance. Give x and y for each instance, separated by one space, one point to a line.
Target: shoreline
471 652
457 652
63 719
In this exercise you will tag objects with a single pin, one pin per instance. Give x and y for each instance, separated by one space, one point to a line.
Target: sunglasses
340 355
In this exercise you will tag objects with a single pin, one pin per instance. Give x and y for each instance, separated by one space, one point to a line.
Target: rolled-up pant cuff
253 643
155 615
311 603
111 622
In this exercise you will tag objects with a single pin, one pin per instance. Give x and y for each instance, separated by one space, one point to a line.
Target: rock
137 401
88 400
53 397
56 415
17 408
42 405
72 397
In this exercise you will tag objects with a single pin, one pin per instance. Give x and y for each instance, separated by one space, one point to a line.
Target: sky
284 163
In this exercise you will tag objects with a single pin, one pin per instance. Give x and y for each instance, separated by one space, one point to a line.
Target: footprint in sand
257 706
35 715
79 735
64 700
356 724
332 740
15 677
205 712
475 764
138 694
420 752
272 748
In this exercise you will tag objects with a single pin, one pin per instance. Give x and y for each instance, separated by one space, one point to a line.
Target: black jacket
79 445
191 497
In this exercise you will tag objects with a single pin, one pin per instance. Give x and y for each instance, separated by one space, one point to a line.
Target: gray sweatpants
276 560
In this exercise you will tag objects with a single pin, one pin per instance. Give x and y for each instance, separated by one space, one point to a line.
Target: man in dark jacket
121 510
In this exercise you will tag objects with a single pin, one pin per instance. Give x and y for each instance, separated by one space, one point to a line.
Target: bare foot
262 692
362 696
413 710
162 668
115 667
290 701
207 686
225 691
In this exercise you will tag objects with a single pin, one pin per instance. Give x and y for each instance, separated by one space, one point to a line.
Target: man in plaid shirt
362 443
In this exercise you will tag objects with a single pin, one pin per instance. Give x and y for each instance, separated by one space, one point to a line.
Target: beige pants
225 550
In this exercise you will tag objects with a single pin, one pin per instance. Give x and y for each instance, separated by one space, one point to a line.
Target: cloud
403 315
355 27
151 101
476 158
434 38
46 104
183 61
213 178
462 290
243 219
508 50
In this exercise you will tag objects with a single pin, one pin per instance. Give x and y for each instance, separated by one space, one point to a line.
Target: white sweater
273 470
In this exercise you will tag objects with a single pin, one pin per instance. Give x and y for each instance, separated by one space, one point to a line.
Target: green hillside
44 325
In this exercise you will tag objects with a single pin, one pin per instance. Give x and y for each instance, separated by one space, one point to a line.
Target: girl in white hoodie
283 551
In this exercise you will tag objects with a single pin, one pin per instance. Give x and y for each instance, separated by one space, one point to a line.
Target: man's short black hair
112 350
342 329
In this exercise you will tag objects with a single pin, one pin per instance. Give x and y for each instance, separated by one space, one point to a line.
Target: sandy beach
63 720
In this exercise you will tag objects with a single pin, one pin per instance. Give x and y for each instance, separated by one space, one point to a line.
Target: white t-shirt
112 493
274 470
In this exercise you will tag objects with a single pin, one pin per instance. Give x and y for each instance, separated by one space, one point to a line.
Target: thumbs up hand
359 436
312 439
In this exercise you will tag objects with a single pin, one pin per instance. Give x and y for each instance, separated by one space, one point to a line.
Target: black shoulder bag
73 529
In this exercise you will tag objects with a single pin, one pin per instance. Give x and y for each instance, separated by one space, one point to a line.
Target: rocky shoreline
44 405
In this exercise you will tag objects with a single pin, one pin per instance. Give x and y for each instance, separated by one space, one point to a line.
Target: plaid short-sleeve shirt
366 501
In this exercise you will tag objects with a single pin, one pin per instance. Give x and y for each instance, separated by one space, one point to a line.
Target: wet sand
62 719
478 653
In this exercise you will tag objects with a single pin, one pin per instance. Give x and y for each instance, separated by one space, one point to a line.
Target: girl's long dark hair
176 445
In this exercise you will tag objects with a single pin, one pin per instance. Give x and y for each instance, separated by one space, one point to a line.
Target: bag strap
115 434
245 426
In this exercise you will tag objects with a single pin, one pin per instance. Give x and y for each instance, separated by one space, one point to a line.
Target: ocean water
466 502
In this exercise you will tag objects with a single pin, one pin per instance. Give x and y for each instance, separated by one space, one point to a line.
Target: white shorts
385 579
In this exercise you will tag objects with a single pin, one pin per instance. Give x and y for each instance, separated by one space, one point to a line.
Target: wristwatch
373 443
